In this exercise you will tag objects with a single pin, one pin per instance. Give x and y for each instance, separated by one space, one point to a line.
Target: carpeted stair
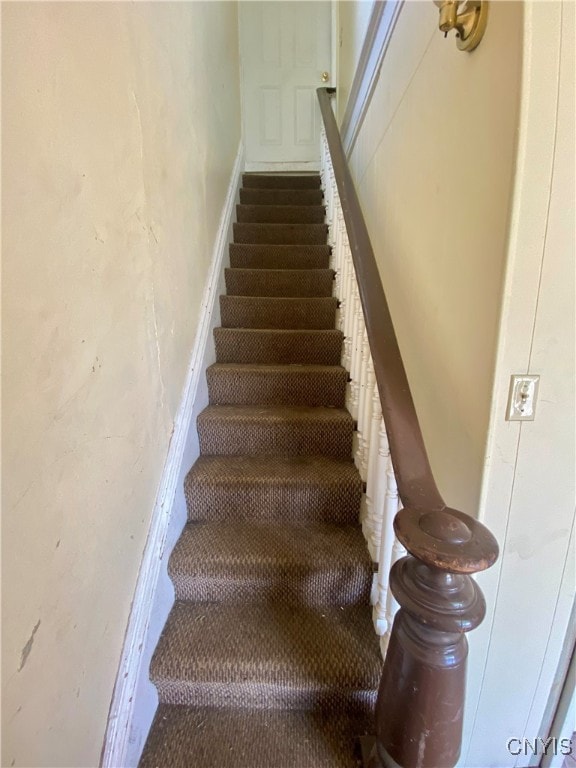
269 658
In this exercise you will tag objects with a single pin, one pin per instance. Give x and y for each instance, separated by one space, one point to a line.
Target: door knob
325 77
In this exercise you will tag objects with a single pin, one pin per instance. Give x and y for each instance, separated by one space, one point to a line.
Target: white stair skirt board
135 699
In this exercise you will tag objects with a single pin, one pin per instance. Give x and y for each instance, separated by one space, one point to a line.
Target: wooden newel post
420 702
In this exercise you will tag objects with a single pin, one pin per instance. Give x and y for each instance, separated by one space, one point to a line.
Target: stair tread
270 233
289 470
281 181
284 208
279 226
270 213
315 565
281 248
272 645
255 196
280 283
285 332
320 248
293 312
258 384
278 301
290 488
284 368
279 256
285 430
314 545
183 737
280 272
282 345
278 414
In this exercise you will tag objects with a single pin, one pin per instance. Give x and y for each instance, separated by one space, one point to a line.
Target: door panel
284 48
304 116
270 117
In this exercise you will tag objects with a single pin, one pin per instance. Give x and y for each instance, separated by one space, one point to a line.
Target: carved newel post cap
449 539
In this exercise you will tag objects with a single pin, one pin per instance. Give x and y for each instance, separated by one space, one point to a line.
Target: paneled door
285 53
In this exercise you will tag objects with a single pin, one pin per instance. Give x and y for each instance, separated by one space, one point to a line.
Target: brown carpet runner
268 658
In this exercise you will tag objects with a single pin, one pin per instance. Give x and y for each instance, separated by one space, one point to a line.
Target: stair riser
279 501
281 197
293 314
260 181
296 234
227 387
283 347
214 738
252 694
222 438
281 214
253 256
266 282
268 505
347 586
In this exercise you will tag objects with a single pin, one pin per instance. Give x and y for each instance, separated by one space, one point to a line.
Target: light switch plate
522 397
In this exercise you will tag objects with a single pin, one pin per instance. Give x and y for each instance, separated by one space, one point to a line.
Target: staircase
269 657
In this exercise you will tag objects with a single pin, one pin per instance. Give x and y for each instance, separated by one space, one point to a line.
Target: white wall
529 491
433 165
120 130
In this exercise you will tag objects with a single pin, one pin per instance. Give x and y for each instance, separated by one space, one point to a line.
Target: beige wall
434 167
120 130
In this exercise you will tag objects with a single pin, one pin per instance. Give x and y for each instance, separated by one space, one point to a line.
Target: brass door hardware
325 77
469 23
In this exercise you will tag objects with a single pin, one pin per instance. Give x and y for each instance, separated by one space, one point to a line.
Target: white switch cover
522 397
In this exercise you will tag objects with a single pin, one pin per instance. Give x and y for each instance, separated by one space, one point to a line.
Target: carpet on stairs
268 658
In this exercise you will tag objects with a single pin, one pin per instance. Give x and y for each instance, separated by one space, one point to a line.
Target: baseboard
127 727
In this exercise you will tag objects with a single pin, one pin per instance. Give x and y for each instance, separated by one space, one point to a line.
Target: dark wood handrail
416 485
420 700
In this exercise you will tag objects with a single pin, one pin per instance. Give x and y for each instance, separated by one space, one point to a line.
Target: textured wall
434 166
120 129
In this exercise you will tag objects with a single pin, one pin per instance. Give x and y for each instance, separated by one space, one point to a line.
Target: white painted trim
334 43
116 745
514 657
287 167
380 29
563 722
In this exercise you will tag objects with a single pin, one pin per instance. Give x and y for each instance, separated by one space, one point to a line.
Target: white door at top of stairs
285 47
